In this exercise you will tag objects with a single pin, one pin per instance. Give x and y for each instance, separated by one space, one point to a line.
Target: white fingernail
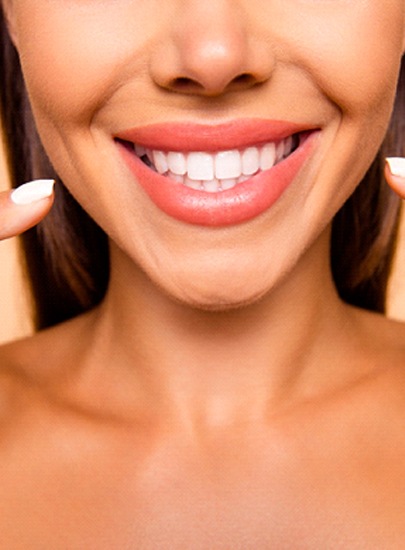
397 166
32 191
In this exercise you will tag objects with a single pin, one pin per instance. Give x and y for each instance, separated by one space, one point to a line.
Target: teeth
228 164
200 166
140 151
212 186
177 163
268 156
250 161
228 184
160 162
220 171
288 145
175 177
280 151
194 184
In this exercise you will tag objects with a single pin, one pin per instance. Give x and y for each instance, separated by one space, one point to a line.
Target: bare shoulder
45 348
31 369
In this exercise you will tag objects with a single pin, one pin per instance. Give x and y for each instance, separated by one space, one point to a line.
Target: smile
216 172
220 175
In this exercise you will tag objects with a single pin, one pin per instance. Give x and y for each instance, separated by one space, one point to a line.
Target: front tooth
200 166
268 156
177 163
228 164
250 161
160 162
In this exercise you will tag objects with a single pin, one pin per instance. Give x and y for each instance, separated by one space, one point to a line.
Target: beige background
14 310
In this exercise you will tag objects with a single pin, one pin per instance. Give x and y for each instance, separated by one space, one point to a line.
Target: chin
218 300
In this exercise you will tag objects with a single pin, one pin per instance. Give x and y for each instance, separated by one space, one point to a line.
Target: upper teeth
216 171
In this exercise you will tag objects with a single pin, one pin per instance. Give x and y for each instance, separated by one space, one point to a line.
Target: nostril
183 83
189 85
244 79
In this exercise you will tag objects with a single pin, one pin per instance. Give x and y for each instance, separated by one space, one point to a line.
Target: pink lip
186 136
243 202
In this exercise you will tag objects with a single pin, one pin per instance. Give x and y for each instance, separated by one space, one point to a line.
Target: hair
66 255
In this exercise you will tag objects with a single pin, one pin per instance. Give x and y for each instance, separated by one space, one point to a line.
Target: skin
221 396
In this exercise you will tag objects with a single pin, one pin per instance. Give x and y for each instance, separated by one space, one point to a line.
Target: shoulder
38 367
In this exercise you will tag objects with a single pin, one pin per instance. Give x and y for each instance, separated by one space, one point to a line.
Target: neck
218 364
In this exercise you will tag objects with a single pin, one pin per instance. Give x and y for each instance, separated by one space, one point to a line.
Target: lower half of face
213 144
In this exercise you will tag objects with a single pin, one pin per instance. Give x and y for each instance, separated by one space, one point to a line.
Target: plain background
14 298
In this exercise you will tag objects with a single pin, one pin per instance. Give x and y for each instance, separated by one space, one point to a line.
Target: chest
174 500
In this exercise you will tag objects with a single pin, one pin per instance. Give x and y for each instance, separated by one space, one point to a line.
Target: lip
243 202
187 136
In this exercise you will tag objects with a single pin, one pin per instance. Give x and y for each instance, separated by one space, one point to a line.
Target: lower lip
242 203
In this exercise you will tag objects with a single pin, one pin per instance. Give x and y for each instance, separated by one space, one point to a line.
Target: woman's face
266 112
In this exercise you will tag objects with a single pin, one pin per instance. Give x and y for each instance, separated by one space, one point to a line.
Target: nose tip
210 53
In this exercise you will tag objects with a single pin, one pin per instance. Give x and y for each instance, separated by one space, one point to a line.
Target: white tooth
177 163
280 151
242 179
228 183
200 166
267 156
175 177
194 184
139 150
211 186
250 161
228 164
160 162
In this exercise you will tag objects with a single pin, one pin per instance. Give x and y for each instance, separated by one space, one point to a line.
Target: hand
395 175
24 207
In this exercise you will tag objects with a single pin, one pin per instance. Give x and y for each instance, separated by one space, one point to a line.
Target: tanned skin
221 396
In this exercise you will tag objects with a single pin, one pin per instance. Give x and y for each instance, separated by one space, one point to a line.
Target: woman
217 390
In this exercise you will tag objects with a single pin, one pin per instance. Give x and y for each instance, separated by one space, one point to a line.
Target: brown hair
66 255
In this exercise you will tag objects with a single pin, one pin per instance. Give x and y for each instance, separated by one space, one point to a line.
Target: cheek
351 49
74 55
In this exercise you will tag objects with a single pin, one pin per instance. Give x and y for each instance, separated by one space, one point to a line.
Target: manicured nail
397 166
32 191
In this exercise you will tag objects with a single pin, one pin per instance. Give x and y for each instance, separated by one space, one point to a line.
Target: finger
395 174
24 207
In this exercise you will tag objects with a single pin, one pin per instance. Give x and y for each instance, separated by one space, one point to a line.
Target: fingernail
397 166
32 191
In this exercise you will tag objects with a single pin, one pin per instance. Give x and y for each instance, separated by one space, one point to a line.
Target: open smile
216 172
216 176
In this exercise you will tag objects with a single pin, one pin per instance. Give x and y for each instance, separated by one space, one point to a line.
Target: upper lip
187 136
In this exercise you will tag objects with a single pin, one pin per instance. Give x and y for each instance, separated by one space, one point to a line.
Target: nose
211 49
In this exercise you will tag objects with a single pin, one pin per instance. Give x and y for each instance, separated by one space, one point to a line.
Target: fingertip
396 166
24 207
395 174
33 191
